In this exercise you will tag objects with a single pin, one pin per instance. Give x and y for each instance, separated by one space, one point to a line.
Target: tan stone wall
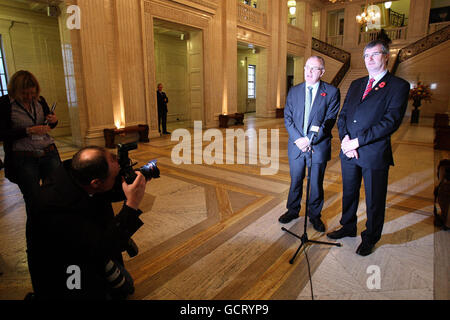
429 67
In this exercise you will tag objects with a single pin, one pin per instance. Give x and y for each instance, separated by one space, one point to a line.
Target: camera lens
150 170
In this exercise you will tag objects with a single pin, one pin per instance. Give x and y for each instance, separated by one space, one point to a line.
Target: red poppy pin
382 84
323 94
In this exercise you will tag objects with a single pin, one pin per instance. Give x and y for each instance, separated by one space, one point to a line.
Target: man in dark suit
162 109
373 110
310 106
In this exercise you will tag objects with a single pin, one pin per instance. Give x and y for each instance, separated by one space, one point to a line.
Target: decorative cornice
203 5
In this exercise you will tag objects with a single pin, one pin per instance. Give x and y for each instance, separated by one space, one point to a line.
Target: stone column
273 17
282 51
92 70
130 78
419 12
323 24
351 27
229 43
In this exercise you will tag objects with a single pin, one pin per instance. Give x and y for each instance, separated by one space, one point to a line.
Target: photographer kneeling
76 241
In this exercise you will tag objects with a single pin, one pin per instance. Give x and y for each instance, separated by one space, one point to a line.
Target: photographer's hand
134 192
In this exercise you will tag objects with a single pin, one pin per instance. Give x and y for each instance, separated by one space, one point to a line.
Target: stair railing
421 45
335 53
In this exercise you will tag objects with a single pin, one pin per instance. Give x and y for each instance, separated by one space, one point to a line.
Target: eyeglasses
315 69
371 55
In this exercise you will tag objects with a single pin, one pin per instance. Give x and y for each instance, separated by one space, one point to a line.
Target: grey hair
322 61
384 46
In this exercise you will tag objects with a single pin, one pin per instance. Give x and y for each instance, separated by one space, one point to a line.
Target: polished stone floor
211 230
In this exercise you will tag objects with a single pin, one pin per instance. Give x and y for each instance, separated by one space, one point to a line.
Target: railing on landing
421 45
251 16
335 53
398 33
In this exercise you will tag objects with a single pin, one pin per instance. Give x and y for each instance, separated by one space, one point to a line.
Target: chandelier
368 16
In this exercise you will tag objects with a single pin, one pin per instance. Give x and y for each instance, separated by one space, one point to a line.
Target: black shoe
341 233
30 296
365 248
288 217
317 224
166 132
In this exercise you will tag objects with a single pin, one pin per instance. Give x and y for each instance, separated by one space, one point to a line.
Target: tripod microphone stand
304 238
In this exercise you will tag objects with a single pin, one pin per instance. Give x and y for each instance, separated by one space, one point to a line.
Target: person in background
162 109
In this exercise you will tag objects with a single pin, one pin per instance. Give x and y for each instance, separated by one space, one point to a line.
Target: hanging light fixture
292 4
388 4
369 15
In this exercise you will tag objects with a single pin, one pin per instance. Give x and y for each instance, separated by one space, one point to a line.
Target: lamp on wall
388 4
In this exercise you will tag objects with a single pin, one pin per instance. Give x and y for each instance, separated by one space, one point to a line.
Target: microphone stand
304 238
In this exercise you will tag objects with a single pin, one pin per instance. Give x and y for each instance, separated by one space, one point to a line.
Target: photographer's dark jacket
72 228
8 135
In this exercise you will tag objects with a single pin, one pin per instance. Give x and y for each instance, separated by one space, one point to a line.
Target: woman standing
25 121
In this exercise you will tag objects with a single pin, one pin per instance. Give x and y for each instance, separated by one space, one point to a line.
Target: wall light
292 10
387 4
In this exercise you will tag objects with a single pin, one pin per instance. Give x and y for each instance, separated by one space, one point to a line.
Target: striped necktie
368 89
307 110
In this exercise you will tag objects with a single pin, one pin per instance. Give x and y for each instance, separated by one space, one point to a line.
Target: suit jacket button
354 121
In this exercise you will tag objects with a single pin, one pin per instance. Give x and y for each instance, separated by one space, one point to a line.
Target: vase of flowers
418 93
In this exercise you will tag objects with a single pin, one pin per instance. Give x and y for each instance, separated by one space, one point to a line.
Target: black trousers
298 170
162 119
375 184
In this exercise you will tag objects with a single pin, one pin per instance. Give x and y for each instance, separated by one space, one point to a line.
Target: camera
150 170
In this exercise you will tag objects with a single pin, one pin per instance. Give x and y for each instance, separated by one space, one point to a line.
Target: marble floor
211 230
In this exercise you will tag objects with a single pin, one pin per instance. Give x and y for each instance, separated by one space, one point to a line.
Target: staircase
351 75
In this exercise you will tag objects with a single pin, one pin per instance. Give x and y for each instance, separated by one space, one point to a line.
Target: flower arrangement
420 91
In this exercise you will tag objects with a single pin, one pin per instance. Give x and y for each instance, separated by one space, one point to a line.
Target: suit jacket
374 119
69 227
323 114
162 101
8 136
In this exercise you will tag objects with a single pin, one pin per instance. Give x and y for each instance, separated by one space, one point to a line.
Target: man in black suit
76 240
162 108
309 115
373 110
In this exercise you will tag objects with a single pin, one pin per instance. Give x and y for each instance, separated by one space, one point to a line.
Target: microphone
315 131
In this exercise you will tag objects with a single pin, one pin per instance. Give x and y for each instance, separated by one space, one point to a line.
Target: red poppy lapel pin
323 94
382 84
